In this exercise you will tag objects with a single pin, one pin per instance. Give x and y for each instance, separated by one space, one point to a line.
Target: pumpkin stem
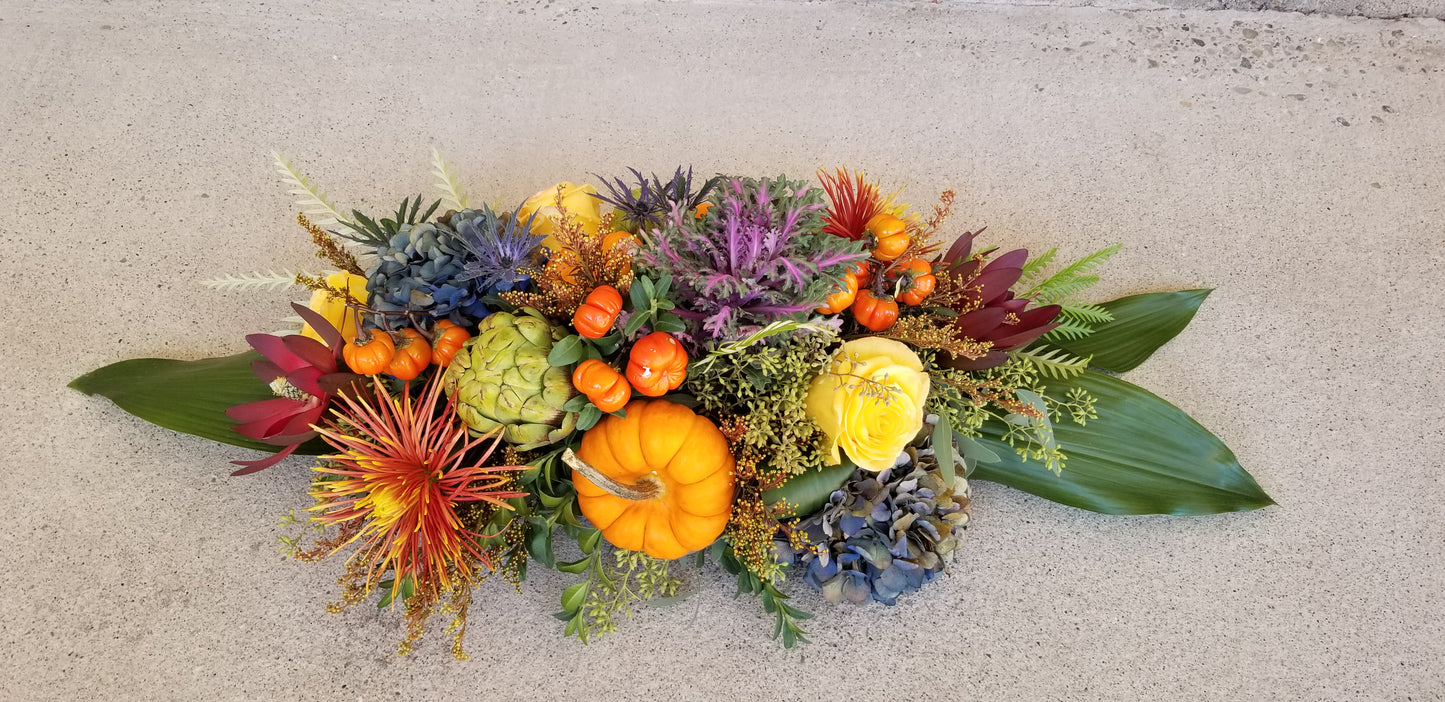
647 488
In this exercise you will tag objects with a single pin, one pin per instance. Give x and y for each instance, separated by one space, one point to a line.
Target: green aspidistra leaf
1142 323
1141 456
190 397
806 492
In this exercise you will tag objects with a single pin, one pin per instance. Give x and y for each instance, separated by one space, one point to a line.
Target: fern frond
1078 268
1036 265
1062 290
1069 330
1054 363
255 280
1085 312
311 199
453 194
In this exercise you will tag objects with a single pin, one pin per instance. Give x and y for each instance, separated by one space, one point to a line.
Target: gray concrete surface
1292 162
1378 9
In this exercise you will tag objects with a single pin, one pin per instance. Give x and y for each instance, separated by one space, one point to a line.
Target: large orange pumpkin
659 480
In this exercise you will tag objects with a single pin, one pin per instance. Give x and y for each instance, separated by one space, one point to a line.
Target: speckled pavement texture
1294 163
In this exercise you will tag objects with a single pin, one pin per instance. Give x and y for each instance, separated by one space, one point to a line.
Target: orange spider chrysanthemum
401 467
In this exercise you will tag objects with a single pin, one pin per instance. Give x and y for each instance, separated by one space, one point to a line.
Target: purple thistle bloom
497 250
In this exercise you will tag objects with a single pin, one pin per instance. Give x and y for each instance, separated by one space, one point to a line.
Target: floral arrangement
793 380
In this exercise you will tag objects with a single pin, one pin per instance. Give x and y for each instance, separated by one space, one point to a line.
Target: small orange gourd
890 236
875 312
841 298
369 353
658 363
594 317
602 384
659 480
863 271
412 356
446 342
918 281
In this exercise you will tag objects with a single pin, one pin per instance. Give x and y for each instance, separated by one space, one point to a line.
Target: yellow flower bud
870 402
334 309
576 199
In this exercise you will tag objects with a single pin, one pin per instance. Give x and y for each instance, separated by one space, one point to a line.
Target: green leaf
943 449
634 323
639 299
670 324
970 447
589 539
588 417
1142 323
575 404
566 352
807 492
539 541
190 397
573 596
608 345
575 567
1141 456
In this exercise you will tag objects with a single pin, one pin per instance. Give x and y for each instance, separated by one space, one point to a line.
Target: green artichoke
501 378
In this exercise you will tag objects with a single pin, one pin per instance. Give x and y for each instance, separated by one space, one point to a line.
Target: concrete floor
1292 162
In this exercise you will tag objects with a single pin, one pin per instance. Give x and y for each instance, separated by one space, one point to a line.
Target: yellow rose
576 199
848 402
334 310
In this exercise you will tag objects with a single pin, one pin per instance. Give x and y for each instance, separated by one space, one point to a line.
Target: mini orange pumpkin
370 352
890 236
593 318
842 297
411 356
602 384
447 341
917 276
658 364
875 312
659 480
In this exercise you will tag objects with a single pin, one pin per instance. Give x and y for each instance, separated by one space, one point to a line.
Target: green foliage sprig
379 233
312 200
258 281
652 307
454 195
1076 318
589 607
785 616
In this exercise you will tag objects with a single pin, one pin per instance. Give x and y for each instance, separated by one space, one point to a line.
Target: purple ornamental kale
757 257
